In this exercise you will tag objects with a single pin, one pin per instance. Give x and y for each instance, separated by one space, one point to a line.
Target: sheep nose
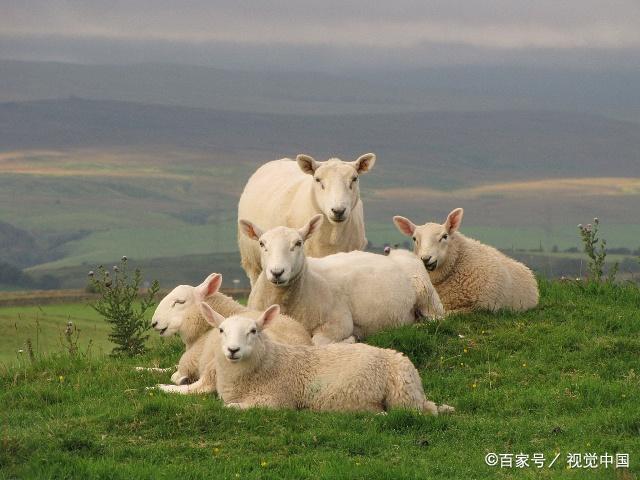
338 212
426 259
277 273
154 323
233 351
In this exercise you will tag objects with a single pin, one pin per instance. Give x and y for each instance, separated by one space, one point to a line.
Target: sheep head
282 253
431 241
239 335
335 183
175 307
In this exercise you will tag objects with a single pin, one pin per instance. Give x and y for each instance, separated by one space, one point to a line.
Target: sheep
254 371
341 296
284 192
179 312
467 274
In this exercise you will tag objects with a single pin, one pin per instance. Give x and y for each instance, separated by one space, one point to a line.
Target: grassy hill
559 379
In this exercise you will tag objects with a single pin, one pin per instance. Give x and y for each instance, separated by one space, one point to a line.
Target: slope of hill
457 148
93 180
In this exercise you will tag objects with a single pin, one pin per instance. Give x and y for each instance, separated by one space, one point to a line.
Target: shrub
122 305
596 250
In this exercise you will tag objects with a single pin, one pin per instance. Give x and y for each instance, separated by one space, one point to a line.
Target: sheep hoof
445 409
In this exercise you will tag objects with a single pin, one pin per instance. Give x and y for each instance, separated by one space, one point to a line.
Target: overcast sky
326 35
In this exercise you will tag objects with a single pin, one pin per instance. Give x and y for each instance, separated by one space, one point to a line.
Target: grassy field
560 379
44 326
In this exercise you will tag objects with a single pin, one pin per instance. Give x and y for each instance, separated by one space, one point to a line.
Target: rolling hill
89 180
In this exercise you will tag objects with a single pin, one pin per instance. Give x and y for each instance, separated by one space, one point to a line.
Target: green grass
561 378
44 326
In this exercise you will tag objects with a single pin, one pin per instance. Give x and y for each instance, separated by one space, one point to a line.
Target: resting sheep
342 295
467 274
179 312
254 371
284 192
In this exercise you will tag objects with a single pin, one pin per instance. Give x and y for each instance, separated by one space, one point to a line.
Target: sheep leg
152 369
179 379
335 330
197 387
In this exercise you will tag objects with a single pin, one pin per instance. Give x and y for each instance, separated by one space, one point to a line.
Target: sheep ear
405 225
313 225
307 164
268 316
210 286
454 219
212 317
249 229
364 163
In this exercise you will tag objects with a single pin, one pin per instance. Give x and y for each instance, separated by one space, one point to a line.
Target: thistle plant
122 304
596 250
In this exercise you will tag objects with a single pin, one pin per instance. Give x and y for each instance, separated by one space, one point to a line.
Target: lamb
341 296
467 274
255 371
179 312
284 192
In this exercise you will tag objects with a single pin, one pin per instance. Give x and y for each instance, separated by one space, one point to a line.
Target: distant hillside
477 88
87 181
438 149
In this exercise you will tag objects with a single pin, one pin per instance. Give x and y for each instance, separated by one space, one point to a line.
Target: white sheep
179 312
286 192
467 274
340 296
254 371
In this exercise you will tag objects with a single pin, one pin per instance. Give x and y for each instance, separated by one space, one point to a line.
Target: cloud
328 29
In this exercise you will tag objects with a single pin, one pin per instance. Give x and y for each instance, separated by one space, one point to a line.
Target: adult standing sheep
286 192
340 296
467 274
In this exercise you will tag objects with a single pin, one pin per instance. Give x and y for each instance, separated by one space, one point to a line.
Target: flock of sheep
314 294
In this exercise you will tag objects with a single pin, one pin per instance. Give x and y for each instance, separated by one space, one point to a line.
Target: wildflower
474 385
20 351
596 219
387 250
580 226
61 378
91 274
464 350
263 464
524 364
216 451
115 268
461 364
124 258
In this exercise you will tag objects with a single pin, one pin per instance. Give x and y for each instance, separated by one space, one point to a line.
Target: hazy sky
328 34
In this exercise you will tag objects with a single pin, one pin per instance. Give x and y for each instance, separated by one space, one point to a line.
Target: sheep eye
221 331
354 179
317 179
253 330
262 244
445 236
181 302
298 243
414 239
